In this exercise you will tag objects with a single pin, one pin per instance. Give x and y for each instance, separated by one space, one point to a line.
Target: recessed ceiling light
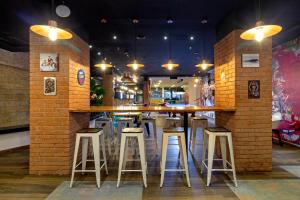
115 37
192 38
91 46
190 47
103 21
165 37
99 53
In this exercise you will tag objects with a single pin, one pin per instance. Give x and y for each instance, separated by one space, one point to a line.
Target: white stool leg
123 139
163 158
229 137
180 157
107 137
204 148
223 151
75 158
102 141
194 137
85 144
143 158
191 133
96 151
211 149
125 153
155 133
185 163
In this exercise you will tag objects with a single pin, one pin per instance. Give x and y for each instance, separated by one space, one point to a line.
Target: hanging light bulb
196 80
52 35
204 64
103 65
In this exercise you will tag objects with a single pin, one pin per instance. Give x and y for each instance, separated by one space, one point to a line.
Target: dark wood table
179 109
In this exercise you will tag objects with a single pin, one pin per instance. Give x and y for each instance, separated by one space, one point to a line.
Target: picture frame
253 89
50 86
80 76
250 60
49 62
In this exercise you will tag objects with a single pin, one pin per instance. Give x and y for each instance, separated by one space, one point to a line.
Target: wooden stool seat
132 130
173 130
196 122
90 130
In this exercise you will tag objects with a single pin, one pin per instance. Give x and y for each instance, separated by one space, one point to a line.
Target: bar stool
212 133
97 137
196 122
173 122
132 133
151 120
127 121
106 124
179 133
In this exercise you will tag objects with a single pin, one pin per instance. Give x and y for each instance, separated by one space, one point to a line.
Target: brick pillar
146 92
251 123
52 126
108 99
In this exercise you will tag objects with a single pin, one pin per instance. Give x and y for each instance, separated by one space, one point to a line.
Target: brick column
108 99
52 126
251 123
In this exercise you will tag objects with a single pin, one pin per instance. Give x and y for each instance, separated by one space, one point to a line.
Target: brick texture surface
52 126
251 123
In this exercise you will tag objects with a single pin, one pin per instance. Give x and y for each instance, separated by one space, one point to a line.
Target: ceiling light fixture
204 64
135 65
103 65
192 38
170 65
91 46
165 37
99 53
51 30
260 31
115 37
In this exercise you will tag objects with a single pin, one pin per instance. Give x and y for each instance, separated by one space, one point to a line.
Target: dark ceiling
223 16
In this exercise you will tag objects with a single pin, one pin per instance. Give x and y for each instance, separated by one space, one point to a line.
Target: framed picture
48 62
250 60
254 89
49 86
80 76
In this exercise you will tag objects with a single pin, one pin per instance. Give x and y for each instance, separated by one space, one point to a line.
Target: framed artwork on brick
48 62
80 76
250 60
49 86
253 89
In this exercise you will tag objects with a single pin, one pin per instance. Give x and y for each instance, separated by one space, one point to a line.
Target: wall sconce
222 75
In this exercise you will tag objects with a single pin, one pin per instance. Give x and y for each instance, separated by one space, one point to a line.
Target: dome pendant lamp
204 64
51 30
135 65
103 65
261 30
170 65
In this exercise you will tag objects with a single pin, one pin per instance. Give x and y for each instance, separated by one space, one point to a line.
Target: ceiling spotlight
170 20
91 46
204 20
99 53
165 37
63 11
103 21
115 37
192 38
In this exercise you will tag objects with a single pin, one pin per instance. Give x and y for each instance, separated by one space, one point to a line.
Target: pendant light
135 65
204 64
261 30
51 30
170 65
103 65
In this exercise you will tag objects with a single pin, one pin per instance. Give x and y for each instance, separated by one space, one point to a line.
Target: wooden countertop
179 109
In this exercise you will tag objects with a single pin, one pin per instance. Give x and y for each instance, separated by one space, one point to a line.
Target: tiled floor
282 183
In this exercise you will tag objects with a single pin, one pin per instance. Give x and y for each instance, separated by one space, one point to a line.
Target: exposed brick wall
14 88
251 123
52 126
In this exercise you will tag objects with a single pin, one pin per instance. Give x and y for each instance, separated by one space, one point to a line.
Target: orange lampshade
103 65
51 31
170 65
135 65
260 31
204 65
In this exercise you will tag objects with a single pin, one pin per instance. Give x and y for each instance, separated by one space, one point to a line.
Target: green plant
96 94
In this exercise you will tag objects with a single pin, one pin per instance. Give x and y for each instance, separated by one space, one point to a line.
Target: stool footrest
87 170
131 170
205 165
174 170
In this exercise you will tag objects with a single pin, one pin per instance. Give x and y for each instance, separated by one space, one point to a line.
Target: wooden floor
16 183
